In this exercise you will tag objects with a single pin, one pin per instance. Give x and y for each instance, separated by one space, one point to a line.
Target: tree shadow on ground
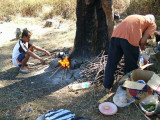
21 89
9 74
38 89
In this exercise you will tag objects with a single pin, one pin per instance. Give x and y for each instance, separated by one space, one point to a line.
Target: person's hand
42 61
47 53
142 47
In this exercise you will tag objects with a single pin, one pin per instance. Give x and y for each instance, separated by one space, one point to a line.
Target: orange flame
65 62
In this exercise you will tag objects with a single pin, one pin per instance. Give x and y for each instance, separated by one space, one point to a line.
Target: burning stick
65 65
65 62
64 74
55 71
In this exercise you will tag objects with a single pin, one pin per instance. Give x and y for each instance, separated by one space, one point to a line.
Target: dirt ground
28 96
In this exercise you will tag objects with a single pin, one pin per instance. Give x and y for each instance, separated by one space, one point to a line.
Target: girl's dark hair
25 32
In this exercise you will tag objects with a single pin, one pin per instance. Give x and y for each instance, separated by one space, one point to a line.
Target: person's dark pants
117 48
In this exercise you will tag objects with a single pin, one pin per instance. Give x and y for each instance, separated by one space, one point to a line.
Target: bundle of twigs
95 69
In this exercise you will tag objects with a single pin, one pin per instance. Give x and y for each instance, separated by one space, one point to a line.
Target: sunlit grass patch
37 8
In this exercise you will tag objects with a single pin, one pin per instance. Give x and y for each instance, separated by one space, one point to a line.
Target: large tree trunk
92 34
108 9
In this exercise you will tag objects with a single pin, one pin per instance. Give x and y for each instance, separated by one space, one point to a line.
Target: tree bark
92 34
108 9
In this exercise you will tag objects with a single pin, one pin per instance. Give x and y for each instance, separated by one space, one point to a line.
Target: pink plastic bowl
108 108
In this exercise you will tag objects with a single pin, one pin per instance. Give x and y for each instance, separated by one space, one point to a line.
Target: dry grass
144 7
137 6
67 8
120 6
44 8
128 7
18 93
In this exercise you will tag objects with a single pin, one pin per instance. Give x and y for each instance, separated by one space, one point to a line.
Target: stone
55 63
77 74
76 63
48 24
18 33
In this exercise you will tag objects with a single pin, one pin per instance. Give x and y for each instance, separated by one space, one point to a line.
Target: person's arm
42 50
30 53
143 41
35 56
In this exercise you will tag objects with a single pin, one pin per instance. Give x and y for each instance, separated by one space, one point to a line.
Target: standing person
127 37
23 50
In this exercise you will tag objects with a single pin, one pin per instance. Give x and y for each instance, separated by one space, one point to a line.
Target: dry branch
55 71
96 68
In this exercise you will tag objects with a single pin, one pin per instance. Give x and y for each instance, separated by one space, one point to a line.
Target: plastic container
120 98
146 56
152 99
108 108
79 86
141 62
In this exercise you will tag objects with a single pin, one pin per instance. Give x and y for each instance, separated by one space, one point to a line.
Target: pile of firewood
94 71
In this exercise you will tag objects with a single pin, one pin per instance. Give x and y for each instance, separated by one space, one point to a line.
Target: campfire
65 62
87 70
62 62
